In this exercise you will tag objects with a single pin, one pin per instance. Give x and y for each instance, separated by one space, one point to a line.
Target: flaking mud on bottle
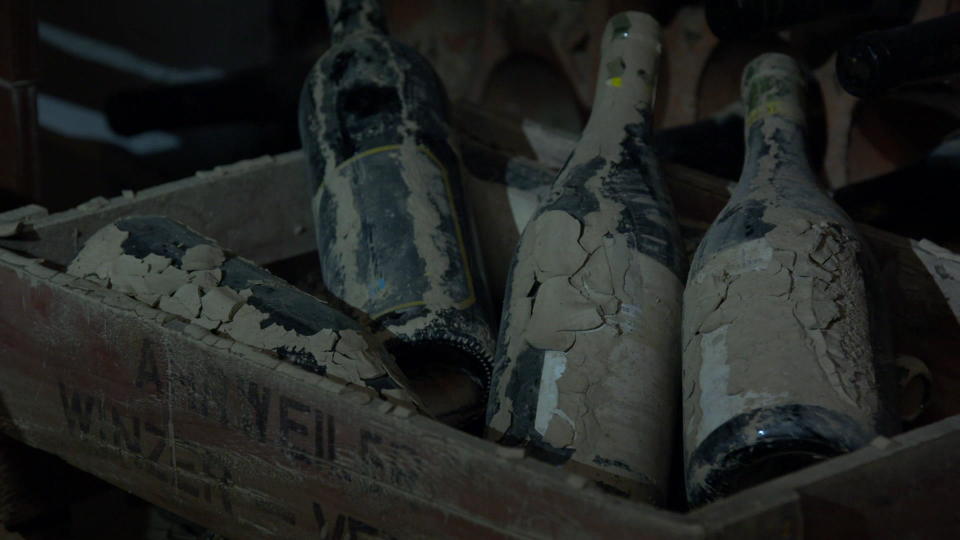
785 360
393 234
588 352
172 268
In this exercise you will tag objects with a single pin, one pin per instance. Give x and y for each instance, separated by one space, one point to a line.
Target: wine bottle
173 268
393 234
784 359
876 62
917 201
737 19
588 352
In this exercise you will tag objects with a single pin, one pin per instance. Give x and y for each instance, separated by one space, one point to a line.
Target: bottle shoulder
627 196
774 213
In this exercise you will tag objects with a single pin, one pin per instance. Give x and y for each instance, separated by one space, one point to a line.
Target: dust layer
393 233
168 266
588 352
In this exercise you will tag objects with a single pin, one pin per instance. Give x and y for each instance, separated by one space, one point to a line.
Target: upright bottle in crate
784 354
588 356
392 229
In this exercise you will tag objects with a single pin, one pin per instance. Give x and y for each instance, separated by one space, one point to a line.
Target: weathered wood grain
252 446
257 207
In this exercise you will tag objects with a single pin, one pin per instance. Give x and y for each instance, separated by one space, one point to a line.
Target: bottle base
765 443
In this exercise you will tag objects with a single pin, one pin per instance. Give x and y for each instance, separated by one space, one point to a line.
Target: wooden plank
257 208
906 485
252 446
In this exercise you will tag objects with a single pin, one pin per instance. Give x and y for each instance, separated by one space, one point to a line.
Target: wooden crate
251 446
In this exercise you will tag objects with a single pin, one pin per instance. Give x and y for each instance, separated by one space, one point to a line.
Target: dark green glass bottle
785 360
392 228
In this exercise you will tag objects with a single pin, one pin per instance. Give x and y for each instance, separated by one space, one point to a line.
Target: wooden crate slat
257 208
232 439
882 491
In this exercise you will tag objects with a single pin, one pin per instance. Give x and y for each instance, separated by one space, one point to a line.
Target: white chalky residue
751 256
523 203
717 403
714 375
944 267
554 364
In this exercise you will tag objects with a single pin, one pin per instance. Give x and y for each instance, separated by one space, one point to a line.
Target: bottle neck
627 78
773 92
775 150
348 17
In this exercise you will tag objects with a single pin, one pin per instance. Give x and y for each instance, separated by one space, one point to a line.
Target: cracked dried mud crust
783 351
166 265
588 352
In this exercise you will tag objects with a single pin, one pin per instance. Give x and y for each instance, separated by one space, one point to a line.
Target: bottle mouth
858 68
444 377
763 444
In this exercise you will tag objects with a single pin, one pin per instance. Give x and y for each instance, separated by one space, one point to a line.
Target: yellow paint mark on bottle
764 109
787 109
616 82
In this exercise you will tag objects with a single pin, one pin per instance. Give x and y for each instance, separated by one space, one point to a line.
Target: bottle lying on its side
173 268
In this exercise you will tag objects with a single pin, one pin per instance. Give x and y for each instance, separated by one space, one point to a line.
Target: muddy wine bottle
733 19
588 353
875 62
784 362
392 231
169 266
